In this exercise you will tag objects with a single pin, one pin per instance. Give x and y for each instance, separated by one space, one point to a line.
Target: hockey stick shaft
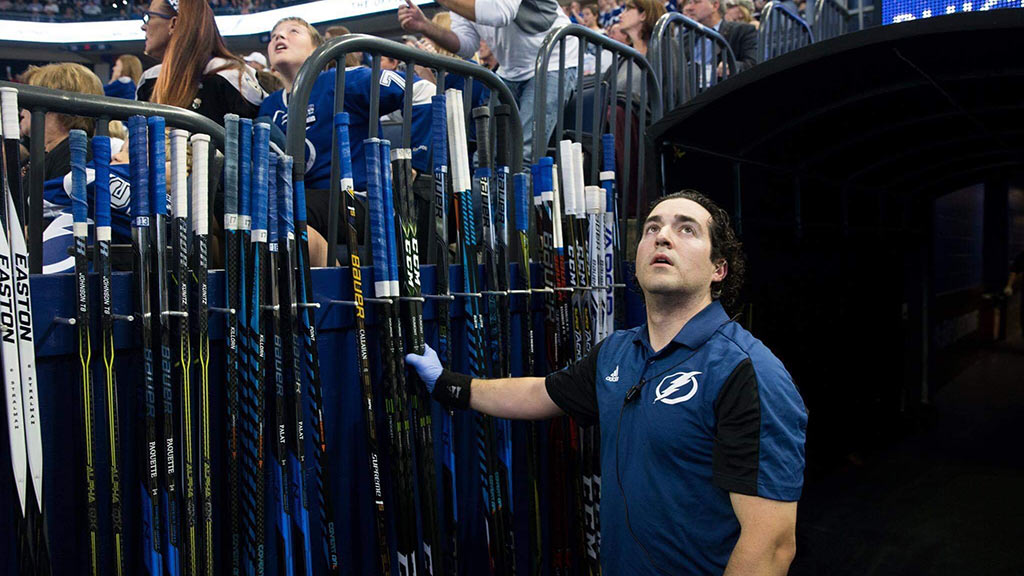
348 200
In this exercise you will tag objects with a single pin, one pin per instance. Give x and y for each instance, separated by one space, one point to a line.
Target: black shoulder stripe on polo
574 389
734 457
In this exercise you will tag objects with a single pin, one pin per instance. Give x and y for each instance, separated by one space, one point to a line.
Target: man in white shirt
515 30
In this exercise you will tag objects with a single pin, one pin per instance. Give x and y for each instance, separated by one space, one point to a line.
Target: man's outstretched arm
516 398
464 8
412 19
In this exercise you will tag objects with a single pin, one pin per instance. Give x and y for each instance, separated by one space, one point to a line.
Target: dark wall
833 288
957 240
1015 207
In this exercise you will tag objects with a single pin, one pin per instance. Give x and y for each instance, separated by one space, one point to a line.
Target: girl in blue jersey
124 77
292 41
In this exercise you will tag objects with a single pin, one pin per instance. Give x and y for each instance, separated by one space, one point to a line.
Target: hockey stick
180 276
35 525
80 212
439 147
299 500
422 421
233 296
151 519
200 228
158 201
272 322
348 207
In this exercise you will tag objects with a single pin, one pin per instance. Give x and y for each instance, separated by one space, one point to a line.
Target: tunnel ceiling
909 107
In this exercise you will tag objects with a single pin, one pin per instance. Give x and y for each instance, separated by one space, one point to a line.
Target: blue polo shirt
717 413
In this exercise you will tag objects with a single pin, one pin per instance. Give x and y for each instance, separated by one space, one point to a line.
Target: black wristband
452 389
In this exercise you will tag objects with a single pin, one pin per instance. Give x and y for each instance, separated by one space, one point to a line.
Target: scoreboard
894 11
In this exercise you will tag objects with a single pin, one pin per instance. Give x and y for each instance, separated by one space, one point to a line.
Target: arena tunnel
834 184
875 180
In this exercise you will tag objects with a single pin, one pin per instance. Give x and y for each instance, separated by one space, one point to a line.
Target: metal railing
649 97
689 58
334 51
103 109
830 19
782 31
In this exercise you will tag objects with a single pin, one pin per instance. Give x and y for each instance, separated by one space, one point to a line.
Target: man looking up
702 429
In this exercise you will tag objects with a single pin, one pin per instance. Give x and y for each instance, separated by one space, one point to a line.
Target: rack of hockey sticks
396 245
106 541
267 415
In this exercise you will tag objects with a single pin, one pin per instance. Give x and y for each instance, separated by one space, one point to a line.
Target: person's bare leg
317 249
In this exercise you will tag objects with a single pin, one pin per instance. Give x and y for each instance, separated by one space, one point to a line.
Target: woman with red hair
196 70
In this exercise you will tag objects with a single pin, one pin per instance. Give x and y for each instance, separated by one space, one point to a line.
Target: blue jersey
57 237
606 19
716 413
320 119
122 87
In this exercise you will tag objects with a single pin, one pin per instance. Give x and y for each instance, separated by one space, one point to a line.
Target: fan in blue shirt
292 41
124 77
702 428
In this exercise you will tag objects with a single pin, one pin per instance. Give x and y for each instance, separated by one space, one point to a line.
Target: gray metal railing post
36 171
675 29
42 100
781 31
556 36
598 108
579 90
374 114
334 198
829 18
627 123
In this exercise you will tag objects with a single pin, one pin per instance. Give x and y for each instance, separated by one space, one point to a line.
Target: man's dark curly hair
724 246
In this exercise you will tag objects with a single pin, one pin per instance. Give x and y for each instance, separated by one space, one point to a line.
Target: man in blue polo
702 428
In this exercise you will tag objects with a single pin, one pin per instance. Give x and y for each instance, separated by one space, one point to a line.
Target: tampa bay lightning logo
676 388
120 192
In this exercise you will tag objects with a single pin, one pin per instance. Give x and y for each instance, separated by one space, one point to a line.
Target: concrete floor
946 498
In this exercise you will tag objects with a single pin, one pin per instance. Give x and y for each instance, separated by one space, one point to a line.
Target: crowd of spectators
614 19
599 16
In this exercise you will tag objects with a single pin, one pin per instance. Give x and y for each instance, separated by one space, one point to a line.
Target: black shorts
318 210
